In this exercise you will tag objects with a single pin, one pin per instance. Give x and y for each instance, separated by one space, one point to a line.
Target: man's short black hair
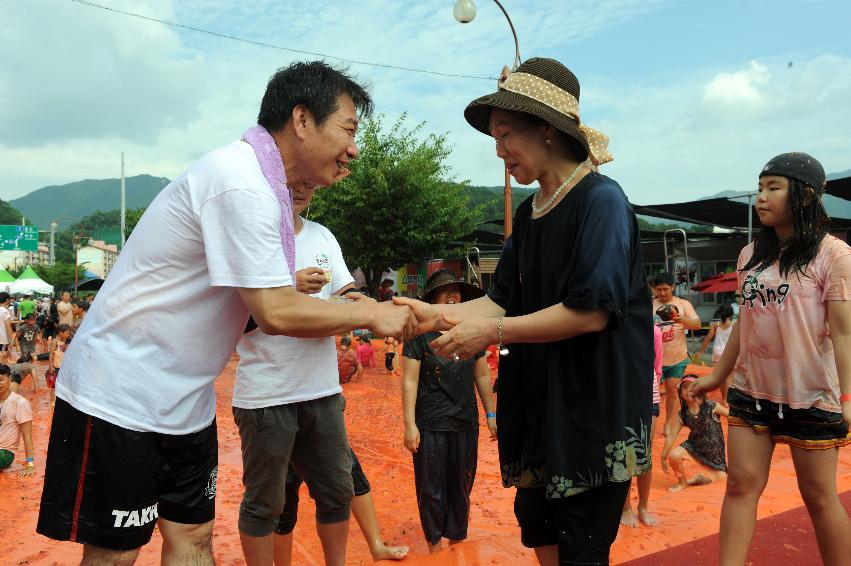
316 85
5 370
4 296
663 279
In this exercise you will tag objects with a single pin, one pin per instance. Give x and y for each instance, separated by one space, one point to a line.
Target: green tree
399 204
9 214
60 275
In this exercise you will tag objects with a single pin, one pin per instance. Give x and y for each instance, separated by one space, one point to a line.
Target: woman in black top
570 300
442 420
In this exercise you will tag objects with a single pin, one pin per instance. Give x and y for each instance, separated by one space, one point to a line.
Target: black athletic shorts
810 429
106 485
388 360
584 525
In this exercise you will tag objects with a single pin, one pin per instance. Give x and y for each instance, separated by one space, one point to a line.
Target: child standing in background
646 479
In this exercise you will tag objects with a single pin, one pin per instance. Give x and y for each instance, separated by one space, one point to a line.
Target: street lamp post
465 11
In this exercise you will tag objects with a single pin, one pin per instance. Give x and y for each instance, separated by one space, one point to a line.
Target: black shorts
811 429
286 522
106 485
388 360
655 411
584 525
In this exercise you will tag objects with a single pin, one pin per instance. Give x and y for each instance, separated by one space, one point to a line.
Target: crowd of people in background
32 330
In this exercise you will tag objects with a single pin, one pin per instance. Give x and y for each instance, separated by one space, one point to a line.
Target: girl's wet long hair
810 221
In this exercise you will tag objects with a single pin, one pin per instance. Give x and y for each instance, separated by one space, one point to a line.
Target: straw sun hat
547 89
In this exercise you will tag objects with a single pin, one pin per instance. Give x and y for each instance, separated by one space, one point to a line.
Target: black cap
798 166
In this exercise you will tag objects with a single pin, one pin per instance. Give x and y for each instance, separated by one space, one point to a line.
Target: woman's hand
465 339
310 280
492 427
412 438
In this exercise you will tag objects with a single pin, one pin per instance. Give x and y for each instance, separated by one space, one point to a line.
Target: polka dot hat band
545 92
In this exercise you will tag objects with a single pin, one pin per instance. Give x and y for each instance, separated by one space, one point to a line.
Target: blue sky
695 95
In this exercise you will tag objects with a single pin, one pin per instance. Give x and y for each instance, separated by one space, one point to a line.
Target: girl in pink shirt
790 355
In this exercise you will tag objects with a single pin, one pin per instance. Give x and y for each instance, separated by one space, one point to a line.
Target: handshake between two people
403 318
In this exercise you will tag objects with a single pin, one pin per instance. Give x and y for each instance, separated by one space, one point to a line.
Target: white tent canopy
29 282
25 286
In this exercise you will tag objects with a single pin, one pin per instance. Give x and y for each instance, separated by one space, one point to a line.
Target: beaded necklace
549 203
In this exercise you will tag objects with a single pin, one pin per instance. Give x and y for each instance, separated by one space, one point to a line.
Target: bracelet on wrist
503 351
491 415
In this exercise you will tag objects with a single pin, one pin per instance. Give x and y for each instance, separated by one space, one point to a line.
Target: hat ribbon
545 92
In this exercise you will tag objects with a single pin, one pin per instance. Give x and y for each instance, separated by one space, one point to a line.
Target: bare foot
645 517
699 479
628 518
679 486
385 552
432 548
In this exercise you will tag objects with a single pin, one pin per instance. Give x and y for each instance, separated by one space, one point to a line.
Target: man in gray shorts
288 405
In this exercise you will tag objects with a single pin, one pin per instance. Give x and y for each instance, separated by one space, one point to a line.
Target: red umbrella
721 283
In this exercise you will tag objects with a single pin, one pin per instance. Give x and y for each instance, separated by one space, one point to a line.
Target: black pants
444 471
584 525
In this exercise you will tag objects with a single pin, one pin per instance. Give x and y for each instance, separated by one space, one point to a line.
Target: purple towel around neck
272 166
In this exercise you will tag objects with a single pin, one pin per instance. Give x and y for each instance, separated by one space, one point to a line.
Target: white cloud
672 144
75 72
740 87
78 85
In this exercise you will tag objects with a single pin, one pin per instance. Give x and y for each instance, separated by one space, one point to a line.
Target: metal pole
123 201
750 217
514 33
52 260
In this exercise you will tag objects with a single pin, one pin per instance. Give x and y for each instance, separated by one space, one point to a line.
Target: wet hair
810 222
663 278
30 316
345 341
314 84
4 296
683 404
62 328
5 370
724 312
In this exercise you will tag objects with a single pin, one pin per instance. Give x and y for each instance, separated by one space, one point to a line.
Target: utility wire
279 47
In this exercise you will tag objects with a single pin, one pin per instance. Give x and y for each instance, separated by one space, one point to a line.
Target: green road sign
22 238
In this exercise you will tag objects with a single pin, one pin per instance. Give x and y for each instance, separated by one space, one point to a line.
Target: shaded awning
839 188
725 212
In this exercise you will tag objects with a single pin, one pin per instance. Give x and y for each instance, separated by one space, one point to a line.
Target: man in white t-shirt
134 430
65 309
5 327
288 405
